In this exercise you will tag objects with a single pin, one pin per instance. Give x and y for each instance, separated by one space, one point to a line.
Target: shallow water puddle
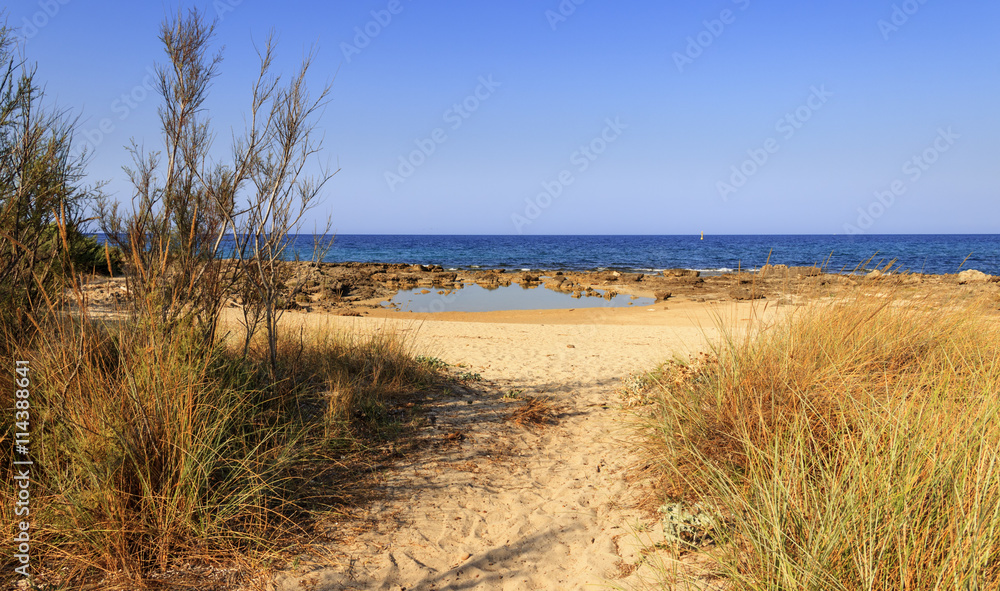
474 298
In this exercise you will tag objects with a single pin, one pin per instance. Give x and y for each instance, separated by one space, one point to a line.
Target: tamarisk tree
185 205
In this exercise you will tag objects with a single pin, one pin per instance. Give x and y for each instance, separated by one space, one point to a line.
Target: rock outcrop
972 276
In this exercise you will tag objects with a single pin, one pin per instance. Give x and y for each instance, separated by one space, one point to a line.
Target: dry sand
505 506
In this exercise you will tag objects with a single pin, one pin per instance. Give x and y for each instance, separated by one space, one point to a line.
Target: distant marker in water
703 235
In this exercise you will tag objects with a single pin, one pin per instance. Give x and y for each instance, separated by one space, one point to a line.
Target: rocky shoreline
354 288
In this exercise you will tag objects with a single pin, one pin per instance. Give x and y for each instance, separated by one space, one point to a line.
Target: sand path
507 507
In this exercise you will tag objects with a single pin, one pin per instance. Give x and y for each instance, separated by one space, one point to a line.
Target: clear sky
587 116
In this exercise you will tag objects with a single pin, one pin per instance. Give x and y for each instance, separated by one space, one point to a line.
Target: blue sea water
921 253
925 253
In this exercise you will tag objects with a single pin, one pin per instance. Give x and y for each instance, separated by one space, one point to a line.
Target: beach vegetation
470 376
171 443
432 362
845 445
535 411
42 198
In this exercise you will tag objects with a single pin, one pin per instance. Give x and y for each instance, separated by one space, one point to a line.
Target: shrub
40 197
151 454
850 446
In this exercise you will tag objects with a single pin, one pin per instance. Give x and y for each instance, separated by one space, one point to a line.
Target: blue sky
587 116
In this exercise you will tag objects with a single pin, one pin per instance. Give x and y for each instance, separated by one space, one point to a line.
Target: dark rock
681 273
805 271
337 289
746 293
441 279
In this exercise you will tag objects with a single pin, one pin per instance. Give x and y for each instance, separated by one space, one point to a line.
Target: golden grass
534 411
847 446
152 455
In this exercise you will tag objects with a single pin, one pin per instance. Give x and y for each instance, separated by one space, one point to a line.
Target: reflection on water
474 298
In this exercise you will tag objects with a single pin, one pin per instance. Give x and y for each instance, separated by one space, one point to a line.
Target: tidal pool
474 298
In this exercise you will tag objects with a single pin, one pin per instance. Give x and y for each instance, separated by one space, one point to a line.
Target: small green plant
513 394
688 526
635 389
91 256
468 376
432 362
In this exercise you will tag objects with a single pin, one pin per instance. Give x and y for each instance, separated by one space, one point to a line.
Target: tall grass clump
152 454
148 453
846 446
340 381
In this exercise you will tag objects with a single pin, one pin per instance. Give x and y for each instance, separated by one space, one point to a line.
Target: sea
710 254
918 253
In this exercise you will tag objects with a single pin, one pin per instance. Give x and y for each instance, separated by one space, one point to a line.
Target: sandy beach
481 501
505 506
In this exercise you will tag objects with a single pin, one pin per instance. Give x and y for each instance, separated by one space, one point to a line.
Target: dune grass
846 446
152 454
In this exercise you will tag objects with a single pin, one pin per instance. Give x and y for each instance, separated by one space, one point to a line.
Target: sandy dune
506 507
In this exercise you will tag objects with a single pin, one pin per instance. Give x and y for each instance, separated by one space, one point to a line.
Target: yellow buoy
702 235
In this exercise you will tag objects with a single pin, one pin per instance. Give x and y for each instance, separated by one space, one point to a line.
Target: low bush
151 454
845 446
